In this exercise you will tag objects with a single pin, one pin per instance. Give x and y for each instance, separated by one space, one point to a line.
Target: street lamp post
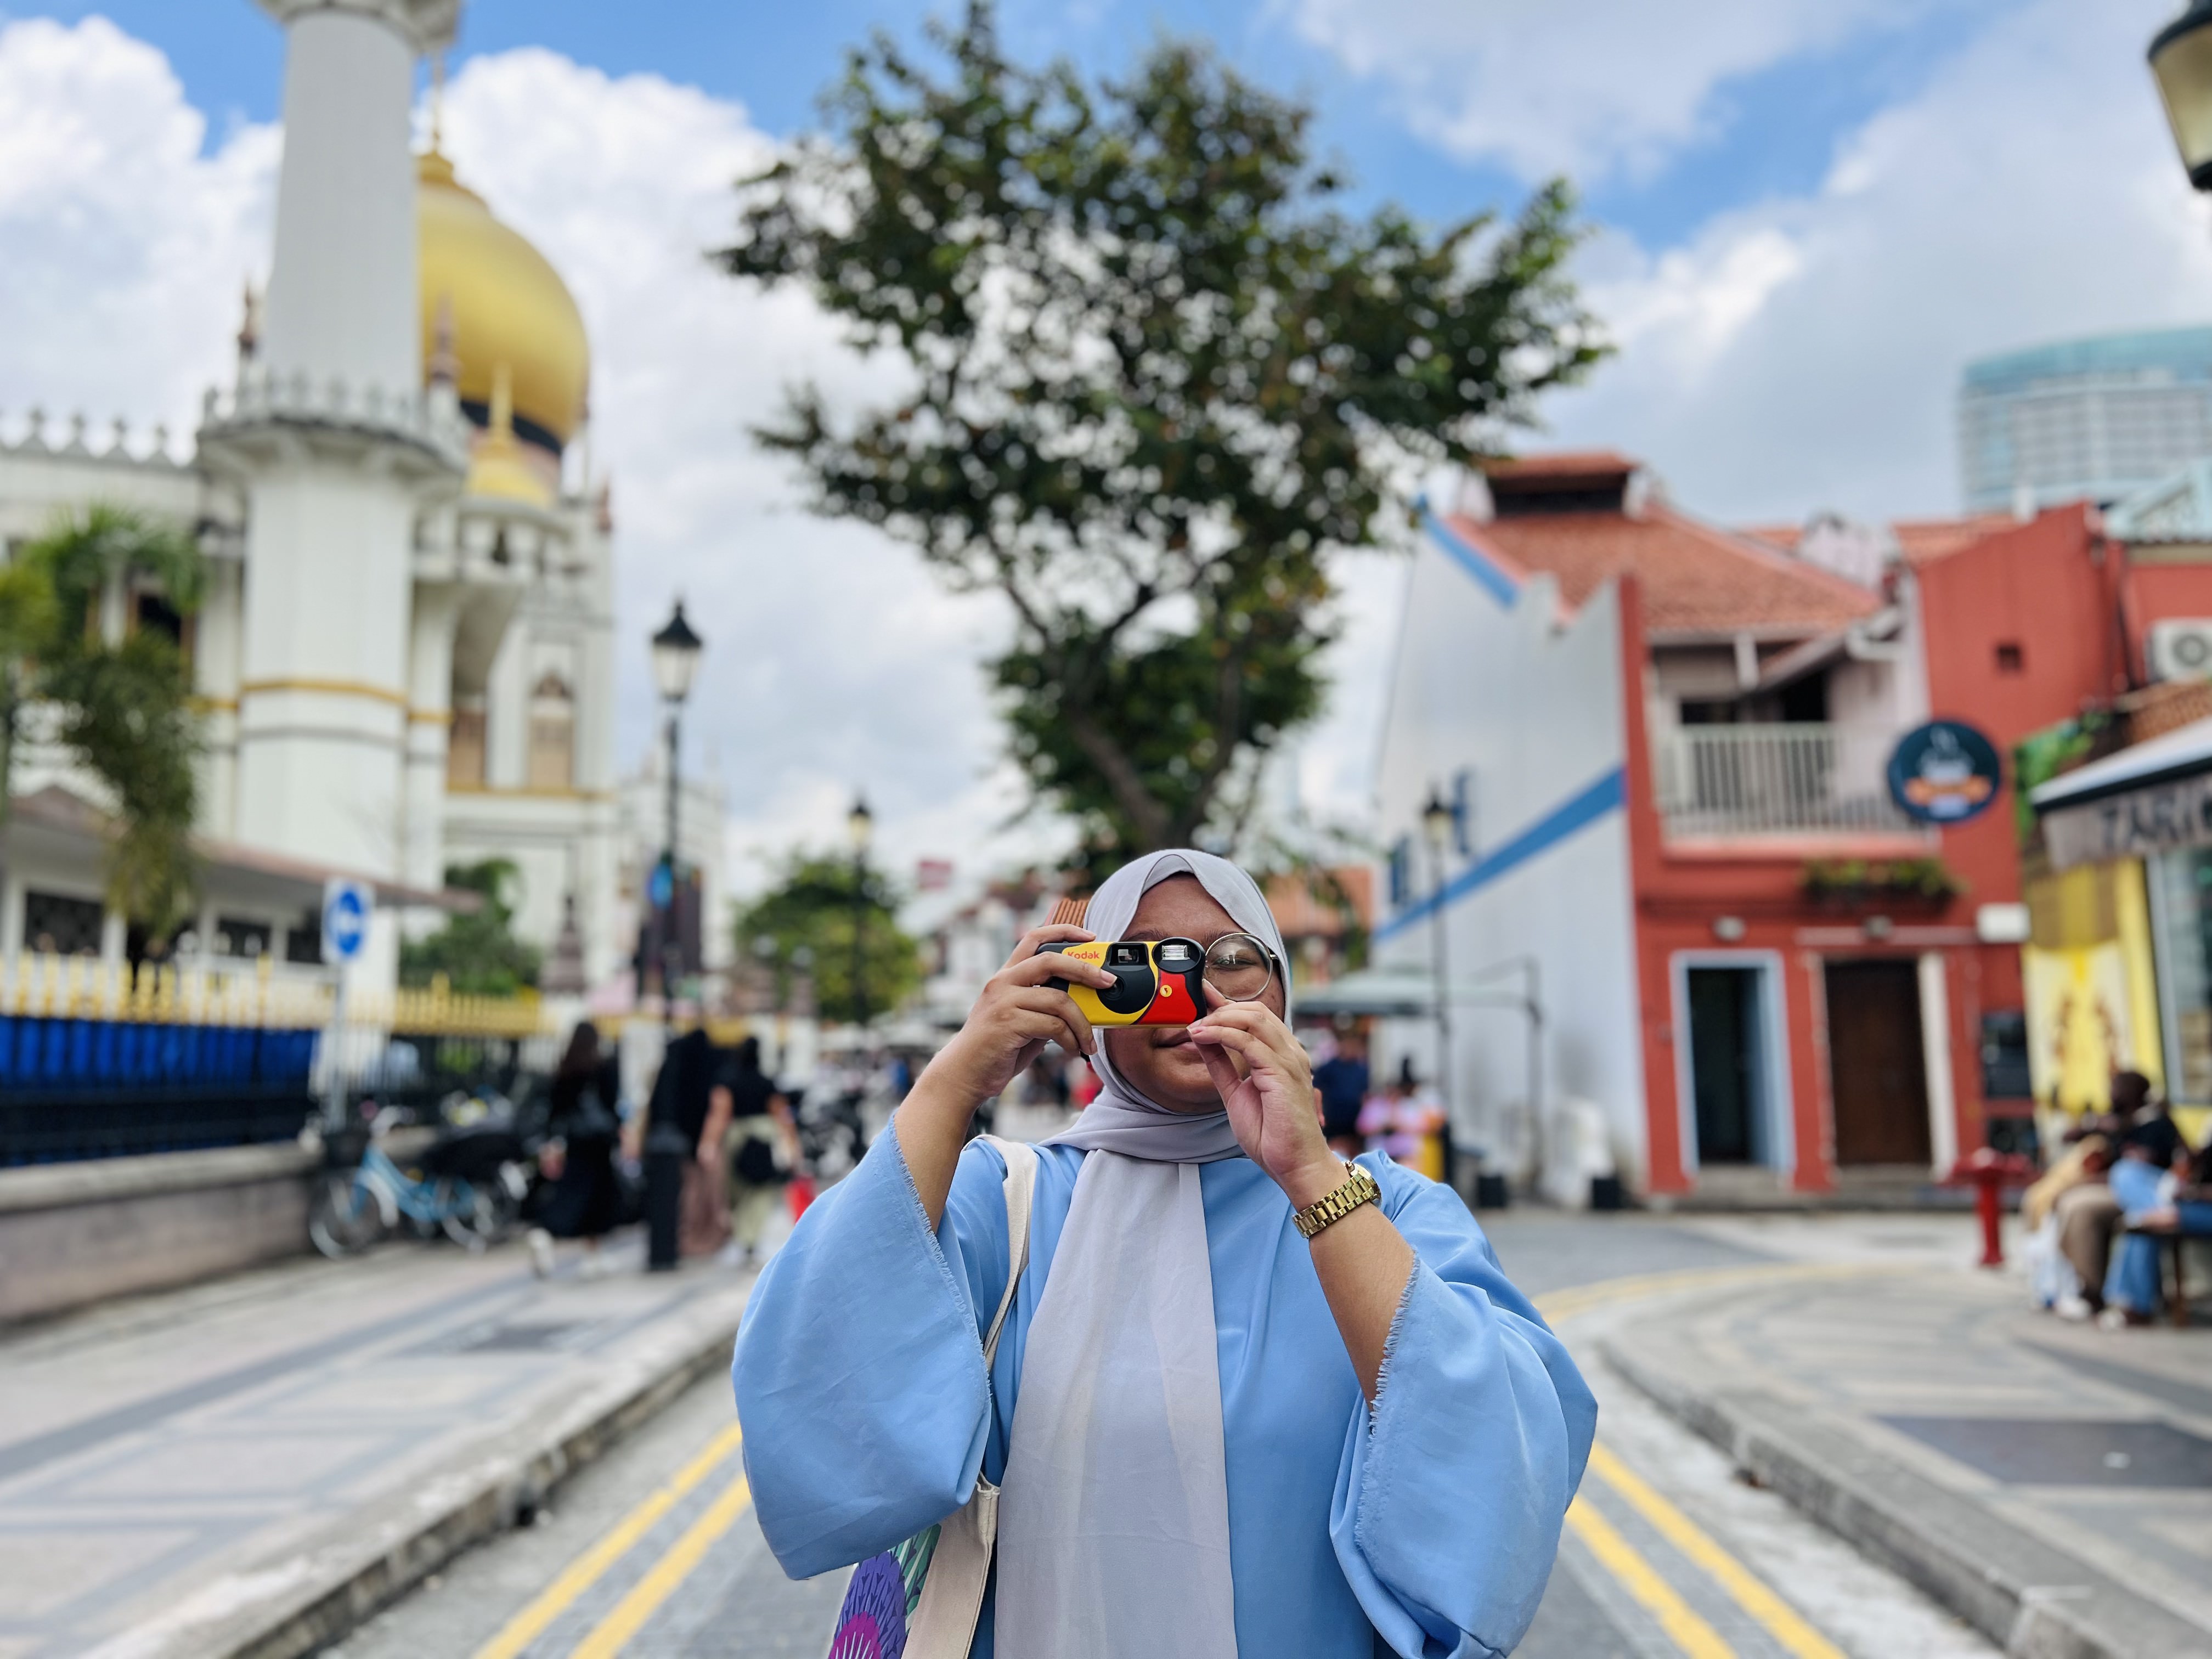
861 824
675 651
2181 63
1438 821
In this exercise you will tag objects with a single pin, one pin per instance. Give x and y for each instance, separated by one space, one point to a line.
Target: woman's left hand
1270 1099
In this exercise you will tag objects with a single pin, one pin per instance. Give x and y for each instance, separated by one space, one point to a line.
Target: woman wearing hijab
1215 1434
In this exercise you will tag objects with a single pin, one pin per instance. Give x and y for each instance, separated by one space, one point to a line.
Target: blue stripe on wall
1470 558
1608 793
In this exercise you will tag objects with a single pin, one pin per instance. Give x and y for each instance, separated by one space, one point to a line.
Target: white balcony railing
1794 780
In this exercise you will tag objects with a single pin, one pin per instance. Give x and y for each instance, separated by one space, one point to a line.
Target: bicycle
351 1209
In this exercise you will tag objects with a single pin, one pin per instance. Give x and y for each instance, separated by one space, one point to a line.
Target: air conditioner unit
2181 649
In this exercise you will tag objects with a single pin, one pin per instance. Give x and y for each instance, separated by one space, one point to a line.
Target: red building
1825 990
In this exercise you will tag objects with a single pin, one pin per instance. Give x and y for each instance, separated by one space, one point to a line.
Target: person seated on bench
2159 1204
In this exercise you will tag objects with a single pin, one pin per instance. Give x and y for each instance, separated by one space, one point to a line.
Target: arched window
465 743
552 734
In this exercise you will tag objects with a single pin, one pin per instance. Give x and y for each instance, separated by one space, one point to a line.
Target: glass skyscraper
2099 418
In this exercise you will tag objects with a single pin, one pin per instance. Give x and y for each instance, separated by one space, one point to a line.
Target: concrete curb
307 1595
104 1180
2032 1598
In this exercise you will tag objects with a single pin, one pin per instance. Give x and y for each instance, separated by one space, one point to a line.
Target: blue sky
1769 133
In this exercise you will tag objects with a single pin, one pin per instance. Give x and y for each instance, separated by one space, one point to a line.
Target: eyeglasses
1239 966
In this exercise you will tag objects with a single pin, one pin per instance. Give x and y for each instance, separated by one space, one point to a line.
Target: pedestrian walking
760 1149
681 1136
585 1123
1342 1081
1245 1398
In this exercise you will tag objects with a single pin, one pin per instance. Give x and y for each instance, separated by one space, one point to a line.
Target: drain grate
2047 1451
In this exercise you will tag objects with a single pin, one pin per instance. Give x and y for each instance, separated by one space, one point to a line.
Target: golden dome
510 311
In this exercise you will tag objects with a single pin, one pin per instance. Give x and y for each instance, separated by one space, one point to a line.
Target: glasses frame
1274 963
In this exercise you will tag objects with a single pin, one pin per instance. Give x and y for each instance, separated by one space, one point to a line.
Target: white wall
1533 708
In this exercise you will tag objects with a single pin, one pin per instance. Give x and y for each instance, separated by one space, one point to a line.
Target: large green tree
1156 370
814 907
120 700
477 951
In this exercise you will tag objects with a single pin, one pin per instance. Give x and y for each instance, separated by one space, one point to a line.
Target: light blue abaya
1427 1527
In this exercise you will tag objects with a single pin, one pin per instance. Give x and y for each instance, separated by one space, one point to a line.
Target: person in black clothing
759 1139
586 1201
1341 1081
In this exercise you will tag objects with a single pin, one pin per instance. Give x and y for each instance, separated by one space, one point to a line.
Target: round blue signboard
346 908
1944 772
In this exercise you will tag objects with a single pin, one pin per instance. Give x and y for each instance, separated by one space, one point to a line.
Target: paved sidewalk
2051 1483
249 1467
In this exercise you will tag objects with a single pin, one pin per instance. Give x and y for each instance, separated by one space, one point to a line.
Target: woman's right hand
1018 1014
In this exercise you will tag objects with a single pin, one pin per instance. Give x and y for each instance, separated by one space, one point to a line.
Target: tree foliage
812 908
476 951
1158 371
122 706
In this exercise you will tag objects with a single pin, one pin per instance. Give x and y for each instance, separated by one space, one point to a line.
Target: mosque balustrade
429 421
35 436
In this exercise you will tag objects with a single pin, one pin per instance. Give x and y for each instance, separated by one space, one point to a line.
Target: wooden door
1877 1068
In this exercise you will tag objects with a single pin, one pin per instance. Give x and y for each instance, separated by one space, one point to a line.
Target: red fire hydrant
1989 1172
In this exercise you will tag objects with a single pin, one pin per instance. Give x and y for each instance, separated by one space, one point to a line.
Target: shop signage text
2160 819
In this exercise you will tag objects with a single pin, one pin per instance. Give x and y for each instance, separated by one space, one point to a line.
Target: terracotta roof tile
1567 463
1696 578
1926 540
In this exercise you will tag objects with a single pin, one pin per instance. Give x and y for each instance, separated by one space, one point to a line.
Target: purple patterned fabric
871 1625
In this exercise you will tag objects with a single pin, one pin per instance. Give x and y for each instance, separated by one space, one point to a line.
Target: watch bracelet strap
1357 1189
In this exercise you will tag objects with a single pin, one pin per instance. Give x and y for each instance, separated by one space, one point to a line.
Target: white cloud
834 660
122 249
1805 352
1581 88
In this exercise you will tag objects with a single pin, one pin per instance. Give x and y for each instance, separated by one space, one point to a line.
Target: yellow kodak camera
1156 981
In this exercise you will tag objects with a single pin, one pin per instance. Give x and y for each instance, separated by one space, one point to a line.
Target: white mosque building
405 659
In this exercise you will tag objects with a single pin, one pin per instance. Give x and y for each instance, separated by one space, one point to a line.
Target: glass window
55 923
2181 923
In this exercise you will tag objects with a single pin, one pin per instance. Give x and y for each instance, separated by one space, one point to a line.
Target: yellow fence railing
48 985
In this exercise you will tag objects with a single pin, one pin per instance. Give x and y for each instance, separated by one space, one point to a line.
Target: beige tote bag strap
1021 1185
944 1625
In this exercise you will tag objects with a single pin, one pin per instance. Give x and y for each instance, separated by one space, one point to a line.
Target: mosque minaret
405 657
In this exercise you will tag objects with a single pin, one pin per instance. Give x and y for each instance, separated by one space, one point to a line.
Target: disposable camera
1156 981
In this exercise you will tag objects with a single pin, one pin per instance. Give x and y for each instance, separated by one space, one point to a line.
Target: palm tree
123 704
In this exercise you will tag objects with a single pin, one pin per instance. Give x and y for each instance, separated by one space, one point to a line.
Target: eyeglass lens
1238 966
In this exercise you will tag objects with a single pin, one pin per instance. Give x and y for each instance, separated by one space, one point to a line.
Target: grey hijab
1113 1516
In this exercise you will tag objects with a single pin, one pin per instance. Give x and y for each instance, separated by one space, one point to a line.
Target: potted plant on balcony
1856 884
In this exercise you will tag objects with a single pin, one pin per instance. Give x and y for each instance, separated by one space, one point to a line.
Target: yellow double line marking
659 1583
1687 1630
1683 1624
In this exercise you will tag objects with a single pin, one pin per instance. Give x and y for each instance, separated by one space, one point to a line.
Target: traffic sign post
347 908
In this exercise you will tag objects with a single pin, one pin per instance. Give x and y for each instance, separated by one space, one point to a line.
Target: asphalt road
653 1552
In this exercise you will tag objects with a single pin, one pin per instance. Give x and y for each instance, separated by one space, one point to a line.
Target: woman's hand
1266 1082
1017 1015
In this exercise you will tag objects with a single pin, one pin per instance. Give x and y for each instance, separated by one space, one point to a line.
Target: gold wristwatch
1358 1188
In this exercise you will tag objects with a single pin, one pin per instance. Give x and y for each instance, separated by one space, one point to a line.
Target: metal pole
1443 991
334 1079
861 938
669 951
